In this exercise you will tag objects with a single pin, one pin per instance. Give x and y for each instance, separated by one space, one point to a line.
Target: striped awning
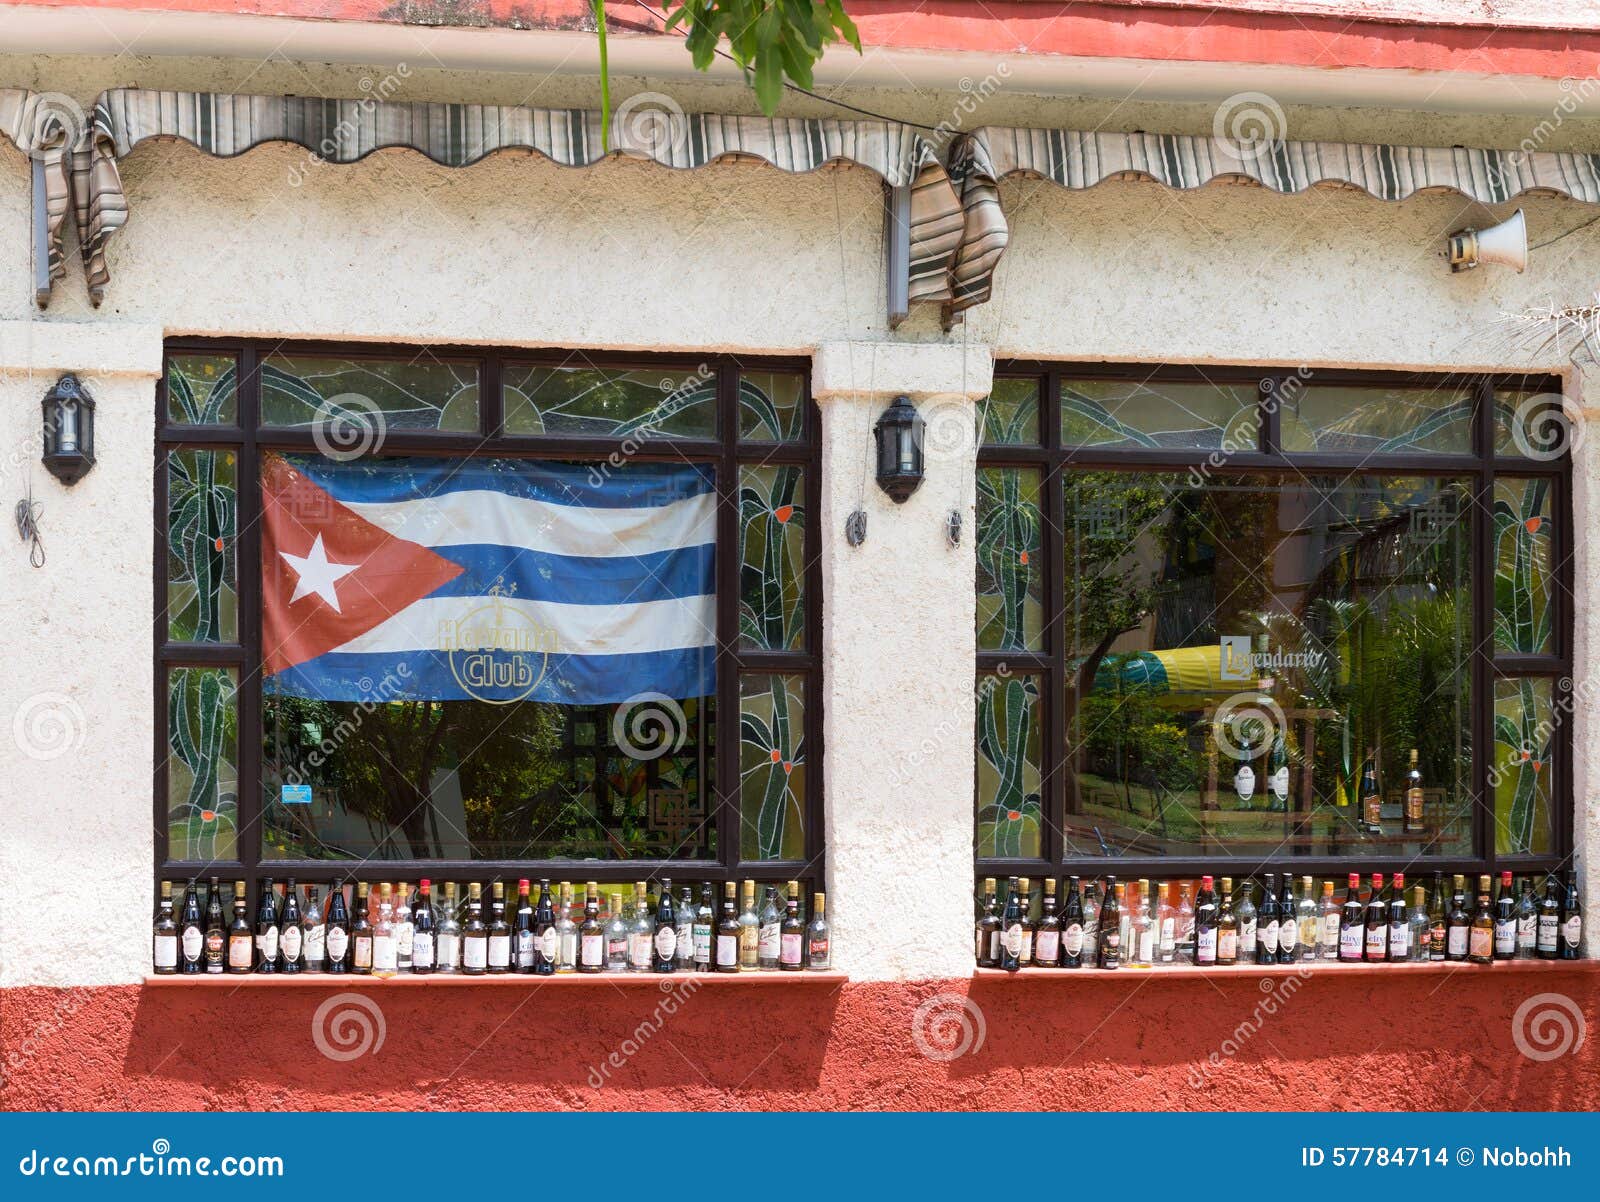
44 126
457 135
1080 159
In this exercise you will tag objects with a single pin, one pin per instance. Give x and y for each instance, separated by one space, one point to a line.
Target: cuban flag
496 580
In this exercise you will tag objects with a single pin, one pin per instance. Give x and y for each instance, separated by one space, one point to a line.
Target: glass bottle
1227 927
267 929
1377 941
1505 920
566 932
641 936
1027 921
591 933
164 935
1288 928
1205 924
1414 824
499 931
749 930
1307 920
1571 920
1167 917
684 914
316 931
819 940
726 958
424 941
1480 946
1458 923
704 928
768 942
1186 931
447 945
405 928
385 954
1244 908
546 933
1352 922
1328 935
1421 928
1047 934
241 939
1438 926
1371 796
792 935
191 933
524 939
1549 946
291 932
1111 924
1091 925
216 930
1071 925
664 942
1527 921
1399 920
618 932
1268 921
338 930
474 935
361 931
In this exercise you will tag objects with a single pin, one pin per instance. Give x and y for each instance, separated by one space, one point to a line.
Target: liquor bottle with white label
1091 925
1244 784
316 946
1268 922
1505 920
704 928
727 950
618 929
447 943
1399 920
474 935
768 941
1306 920
1527 921
291 931
1011 929
361 932
1377 940
566 932
792 934
1026 886
424 941
546 933
1166 924
1571 920
1327 924
1205 924
1371 796
522 936
499 931
1549 945
1421 930
1458 923
642 934
1277 776
1047 934
164 952
267 929
405 926
1227 927
338 930
1438 921
1480 946
1288 929
216 930
1110 924
241 939
385 945
1071 924
1244 906
684 913
1414 824
819 939
1185 924
1352 922
191 934
664 940
591 933
749 930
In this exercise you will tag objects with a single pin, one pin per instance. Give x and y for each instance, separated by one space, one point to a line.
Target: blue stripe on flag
592 486
600 580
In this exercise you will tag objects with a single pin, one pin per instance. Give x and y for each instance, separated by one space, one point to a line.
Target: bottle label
1572 930
1456 943
1205 946
316 943
1482 943
1505 937
166 951
1247 935
1244 782
1372 807
1377 942
666 943
239 952
475 953
268 944
1073 943
406 939
1047 947
1527 930
549 943
338 942
727 950
817 953
768 942
449 950
702 944
1014 940
1147 946
193 943
639 949
363 956
1169 931
215 947
1227 945
593 950
1350 942
1267 937
1287 935
422 949
290 943
524 949
790 948
1399 941
385 954
1548 926
569 947
1413 807
500 951
616 951
1330 929
1280 784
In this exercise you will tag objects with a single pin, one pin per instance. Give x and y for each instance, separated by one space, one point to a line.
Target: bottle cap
1227 884
819 902
1377 880
1399 880
1505 879
1355 880
522 885
1205 882
423 884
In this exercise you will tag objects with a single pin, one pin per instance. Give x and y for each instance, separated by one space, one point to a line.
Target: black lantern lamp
68 430
899 436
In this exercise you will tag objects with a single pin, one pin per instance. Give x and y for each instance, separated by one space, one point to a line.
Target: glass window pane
354 401
772 519
1524 768
1010 566
202 390
607 403
1010 413
1239 651
771 406
1009 767
202 764
1376 421
1534 425
202 496
1524 594
487 658
772 767
1155 414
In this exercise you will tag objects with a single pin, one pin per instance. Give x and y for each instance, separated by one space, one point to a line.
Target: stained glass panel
772 520
1010 566
772 767
1524 539
1009 733
202 390
608 403
202 494
352 402
1534 425
1376 421
1523 770
1010 413
1154 414
202 764
771 406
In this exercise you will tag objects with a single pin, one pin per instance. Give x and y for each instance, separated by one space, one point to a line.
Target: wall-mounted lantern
899 436
68 430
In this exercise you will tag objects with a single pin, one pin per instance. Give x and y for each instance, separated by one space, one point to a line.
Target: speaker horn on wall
1505 244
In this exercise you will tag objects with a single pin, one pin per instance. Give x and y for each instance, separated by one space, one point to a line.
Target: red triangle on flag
328 574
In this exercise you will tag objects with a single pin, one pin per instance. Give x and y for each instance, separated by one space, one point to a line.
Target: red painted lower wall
1135 1041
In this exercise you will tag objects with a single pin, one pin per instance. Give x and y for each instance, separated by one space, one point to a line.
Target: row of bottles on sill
388 932
1138 926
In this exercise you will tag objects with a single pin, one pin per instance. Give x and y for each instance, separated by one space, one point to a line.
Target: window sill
1305 968
623 980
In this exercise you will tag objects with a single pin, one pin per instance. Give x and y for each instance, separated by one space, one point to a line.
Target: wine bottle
1438 924
792 936
1027 920
523 939
642 934
1227 927
164 952
546 933
1111 924
1146 927
664 942
704 927
216 930
1480 948
267 928
424 940
1328 936
1249 922
447 943
1278 782
1205 924
474 935
1047 935
241 939
191 934
1288 930
316 929
291 932
591 934
1377 924
618 931
385 944
1527 921
1371 796
1550 922
1352 922
819 940
1571 920
361 931
405 927
727 957
769 940
1414 824
1458 923
1071 924
1268 921
1505 921
499 930
338 930
1399 920
749 930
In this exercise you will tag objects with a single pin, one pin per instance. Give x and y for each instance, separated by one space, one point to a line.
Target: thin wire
1575 229
793 87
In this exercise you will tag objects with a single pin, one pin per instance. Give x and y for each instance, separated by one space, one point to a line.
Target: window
1215 608
486 615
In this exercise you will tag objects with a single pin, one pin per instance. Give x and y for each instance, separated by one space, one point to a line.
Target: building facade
1127 261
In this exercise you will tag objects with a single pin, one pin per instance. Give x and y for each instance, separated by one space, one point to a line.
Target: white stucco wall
516 251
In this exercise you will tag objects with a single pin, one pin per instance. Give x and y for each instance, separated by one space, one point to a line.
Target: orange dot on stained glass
787 767
783 512
1014 815
776 757
217 543
1023 558
208 815
1533 524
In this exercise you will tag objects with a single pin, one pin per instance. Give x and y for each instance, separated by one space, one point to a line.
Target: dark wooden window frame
726 451
1051 459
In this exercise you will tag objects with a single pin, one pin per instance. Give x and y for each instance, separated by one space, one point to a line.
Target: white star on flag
316 575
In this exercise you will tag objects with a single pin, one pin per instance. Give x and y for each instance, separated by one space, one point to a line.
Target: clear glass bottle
566 932
1167 916
1185 924
1527 921
1421 928
404 926
683 917
385 954
1307 920
1329 917
819 942
1142 927
617 933
165 935
749 931
768 943
641 936
448 954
